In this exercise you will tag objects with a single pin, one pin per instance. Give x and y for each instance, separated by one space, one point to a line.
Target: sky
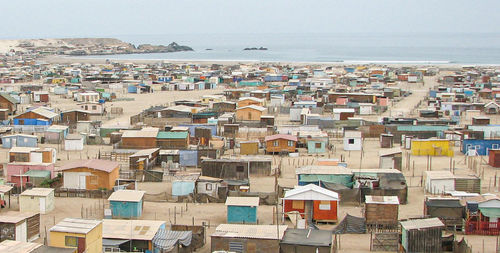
107 18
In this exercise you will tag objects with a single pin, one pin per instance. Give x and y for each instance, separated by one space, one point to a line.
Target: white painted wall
352 146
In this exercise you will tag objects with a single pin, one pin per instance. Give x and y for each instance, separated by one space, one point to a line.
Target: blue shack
182 187
188 158
316 146
19 140
37 117
242 209
481 147
126 204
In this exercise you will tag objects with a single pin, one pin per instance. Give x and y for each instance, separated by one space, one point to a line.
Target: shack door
81 244
42 205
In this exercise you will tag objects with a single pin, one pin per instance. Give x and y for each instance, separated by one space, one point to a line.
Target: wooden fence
384 241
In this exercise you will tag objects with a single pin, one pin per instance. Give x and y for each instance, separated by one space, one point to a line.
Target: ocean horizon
348 48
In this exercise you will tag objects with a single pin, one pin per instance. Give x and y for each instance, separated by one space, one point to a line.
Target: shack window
71 241
25 140
290 143
94 107
298 204
317 145
324 205
240 169
208 187
276 143
351 141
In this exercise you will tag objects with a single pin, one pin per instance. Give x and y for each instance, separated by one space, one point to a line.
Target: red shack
494 158
321 204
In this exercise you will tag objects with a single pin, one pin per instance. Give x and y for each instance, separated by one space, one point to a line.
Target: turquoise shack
316 146
242 209
126 204
321 174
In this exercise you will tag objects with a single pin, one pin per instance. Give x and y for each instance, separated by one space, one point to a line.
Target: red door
81 244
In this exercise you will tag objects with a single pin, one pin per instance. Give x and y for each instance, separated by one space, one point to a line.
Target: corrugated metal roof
250 231
439 174
22 149
390 151
37 192
44 112
422 223
172 135
385 200
127 196
352 134
96 164
8 97
242 201
311 192
145 152
75 225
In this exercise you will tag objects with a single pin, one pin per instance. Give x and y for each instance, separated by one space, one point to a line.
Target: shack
249 147
381 211
90 174
139 139
473 147
321 175
431 147
307 241
422 235
84 235
391 158
126 204
494 158
281 143
386 140
19 140
242 209
237 168
40 200
130 235
449 210
74 142
249 113
144 159
247 238
173 140
313 202
208 185
352 141
19 226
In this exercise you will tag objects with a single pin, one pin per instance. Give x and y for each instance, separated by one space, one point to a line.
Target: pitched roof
96 164
280 136
127 196
8 97
44 112
250 231
242 201
311 192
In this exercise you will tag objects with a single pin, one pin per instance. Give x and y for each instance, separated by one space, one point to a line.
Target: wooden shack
381 211
494 158
449 210
386 140
173 140
422 235
247 238
239 169
281 143
307 241
19 226
249 147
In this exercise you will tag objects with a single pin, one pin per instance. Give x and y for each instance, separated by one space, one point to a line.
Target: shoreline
99 60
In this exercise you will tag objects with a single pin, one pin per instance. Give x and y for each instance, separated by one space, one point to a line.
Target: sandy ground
214 214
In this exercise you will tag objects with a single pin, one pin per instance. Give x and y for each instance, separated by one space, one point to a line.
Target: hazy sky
105 18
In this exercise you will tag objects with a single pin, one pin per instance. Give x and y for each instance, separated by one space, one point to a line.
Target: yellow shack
84 235
432 147
249 147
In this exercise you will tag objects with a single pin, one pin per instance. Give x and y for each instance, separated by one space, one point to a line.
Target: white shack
352 140
37 200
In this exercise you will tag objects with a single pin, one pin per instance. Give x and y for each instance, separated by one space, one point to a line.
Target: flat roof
384 200
127 196
308 237
130 229
323 170
242 201
37 192
75 225
15 217
422 223
250 231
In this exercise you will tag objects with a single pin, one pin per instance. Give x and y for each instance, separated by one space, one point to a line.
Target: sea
377 48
